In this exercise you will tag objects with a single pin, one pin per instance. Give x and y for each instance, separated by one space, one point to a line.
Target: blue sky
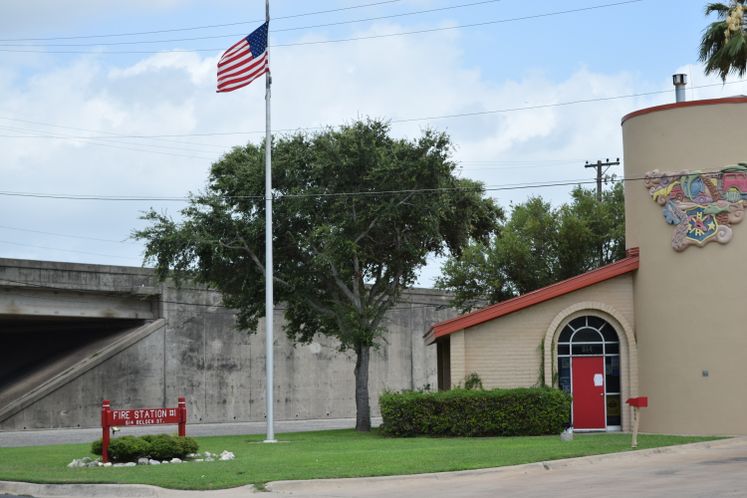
49 102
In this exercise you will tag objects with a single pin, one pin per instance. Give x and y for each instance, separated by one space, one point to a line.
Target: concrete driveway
715 469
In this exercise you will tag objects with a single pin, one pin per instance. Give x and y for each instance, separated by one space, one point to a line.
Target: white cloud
398 77
200 70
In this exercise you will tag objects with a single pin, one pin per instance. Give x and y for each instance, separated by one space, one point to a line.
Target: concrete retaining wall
199 353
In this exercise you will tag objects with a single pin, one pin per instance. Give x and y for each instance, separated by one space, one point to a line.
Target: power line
109 142
489 188
340 40
84 197
107 133
390 16
57 234
65 250
208 26
111 146
504 110
233 35
462 26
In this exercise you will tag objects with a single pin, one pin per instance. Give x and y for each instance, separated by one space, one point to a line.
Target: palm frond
720 8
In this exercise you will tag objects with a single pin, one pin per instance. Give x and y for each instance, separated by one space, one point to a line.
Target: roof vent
680 81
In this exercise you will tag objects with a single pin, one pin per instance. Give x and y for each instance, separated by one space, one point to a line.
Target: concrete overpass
75 334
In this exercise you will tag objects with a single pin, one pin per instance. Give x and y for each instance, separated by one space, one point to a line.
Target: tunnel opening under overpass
36 349
57 323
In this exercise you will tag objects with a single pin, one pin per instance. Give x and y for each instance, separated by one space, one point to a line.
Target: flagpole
269 302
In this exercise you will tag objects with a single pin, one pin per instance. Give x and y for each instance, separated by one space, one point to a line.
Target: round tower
685 197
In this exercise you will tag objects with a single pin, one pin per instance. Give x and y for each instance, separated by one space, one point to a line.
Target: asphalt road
60 436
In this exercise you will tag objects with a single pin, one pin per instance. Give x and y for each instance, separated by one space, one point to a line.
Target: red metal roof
687 103
625 265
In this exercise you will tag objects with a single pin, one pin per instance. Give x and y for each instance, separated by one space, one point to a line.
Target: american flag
244 62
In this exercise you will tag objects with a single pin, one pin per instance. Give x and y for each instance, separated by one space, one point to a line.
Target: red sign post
140 417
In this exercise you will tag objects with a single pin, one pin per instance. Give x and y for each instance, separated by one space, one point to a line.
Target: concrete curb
115 491
294 487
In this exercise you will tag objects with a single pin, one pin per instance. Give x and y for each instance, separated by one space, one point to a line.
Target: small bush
159 447
164 447
461 412
96 447
473 381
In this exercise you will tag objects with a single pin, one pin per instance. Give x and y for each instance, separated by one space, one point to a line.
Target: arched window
592 336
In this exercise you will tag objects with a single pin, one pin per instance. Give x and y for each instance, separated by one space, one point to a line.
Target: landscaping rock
80 462
130 464
164 461
567 435
176 460
198 460
107 464
192 455
142 461
154 462
119 465
227 455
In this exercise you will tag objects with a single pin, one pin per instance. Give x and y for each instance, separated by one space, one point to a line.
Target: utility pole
599 165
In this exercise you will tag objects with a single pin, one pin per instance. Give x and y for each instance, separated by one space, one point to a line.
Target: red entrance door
588 392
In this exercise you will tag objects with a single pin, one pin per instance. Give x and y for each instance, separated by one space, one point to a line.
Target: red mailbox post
636 404
140 417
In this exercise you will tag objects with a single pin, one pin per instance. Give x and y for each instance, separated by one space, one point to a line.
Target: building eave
625 265
687 103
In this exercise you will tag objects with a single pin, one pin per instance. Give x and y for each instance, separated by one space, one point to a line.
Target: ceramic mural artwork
703 206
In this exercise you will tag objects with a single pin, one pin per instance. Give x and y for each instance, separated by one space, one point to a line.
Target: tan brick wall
457 358
507 351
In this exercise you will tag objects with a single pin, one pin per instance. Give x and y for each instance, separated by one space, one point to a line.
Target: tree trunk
362 408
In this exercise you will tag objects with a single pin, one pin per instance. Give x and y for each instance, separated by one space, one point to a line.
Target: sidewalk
62 436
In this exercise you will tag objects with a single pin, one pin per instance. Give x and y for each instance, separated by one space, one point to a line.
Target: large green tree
537 246
356 214
723 47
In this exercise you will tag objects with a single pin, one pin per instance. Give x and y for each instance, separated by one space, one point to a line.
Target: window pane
596 322
612 348
587 335
587 349
565 335
609 333
612 369
564 374
564 349
578 322
614 412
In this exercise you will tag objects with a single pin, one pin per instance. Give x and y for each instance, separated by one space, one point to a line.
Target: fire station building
669 321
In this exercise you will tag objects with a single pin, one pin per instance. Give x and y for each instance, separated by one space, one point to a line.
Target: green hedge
158 447
460 412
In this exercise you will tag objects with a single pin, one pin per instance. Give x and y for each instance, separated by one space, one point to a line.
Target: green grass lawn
314 455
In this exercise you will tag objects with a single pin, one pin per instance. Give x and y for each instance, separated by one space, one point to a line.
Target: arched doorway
589 369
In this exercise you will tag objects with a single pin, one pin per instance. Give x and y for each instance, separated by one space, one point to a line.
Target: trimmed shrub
164 447
530 411
159 447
